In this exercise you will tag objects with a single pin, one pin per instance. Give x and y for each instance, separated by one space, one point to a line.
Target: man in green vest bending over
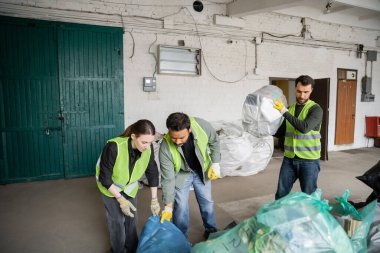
189 156
302 146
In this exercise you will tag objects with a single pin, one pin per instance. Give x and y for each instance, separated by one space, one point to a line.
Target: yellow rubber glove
166 214
126 206
155 207
213 172
279 106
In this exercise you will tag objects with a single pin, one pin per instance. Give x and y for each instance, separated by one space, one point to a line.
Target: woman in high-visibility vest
123 162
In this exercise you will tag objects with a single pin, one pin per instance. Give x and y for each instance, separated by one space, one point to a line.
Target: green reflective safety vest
201 140
305 146
120 173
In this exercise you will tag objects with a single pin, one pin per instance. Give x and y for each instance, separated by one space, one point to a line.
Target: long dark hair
142 126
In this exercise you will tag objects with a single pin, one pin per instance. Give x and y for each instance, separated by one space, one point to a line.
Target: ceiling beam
337 9
365 4
369 16
242 8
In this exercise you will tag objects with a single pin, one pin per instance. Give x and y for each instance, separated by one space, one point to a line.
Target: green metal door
31 139
91 78
61 97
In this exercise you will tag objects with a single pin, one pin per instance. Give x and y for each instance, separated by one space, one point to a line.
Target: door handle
60 116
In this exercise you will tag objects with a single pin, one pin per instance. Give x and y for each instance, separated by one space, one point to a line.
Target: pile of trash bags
246 146
243 154
297 222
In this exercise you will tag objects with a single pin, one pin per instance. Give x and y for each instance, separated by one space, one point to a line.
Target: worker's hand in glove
279 106
214 171
155 206
166 214
126 206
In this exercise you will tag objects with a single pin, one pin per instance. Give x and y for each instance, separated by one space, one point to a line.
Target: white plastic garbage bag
259 116
242 153
373 238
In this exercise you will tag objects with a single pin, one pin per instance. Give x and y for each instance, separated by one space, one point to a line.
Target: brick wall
205 96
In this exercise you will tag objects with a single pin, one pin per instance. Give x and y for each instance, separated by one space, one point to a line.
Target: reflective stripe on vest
306 146
120 173
201 140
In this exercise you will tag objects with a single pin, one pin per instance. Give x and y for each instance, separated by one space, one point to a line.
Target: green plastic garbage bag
344 208
365 217
305 223
248 236
296 223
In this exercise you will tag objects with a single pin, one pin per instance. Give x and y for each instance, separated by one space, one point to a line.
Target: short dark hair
142 126
178 121
305 80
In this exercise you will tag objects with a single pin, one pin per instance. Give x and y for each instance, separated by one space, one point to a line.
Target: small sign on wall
351 75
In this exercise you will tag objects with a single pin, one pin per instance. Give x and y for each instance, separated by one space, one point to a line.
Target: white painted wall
205 96
201 96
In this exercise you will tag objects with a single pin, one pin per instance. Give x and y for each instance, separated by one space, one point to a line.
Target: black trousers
122 229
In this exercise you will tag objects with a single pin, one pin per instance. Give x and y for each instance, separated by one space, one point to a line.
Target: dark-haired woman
122 163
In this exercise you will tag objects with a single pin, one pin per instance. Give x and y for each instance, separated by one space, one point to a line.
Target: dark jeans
291 169
122 229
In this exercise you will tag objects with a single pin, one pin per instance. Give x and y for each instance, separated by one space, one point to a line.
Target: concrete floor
67 216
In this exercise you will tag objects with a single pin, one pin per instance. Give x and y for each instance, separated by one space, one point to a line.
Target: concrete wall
229 70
